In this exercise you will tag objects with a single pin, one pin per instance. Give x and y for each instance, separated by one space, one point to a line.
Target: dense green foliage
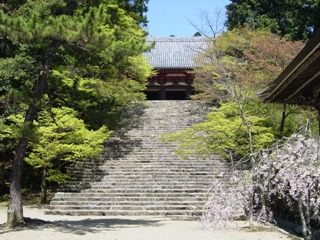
224 133
59 138
293 20
85 56
62 138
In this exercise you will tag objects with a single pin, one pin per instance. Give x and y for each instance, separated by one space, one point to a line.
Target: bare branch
211 25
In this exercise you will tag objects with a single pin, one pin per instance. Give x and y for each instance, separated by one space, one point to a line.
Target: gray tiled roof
175 52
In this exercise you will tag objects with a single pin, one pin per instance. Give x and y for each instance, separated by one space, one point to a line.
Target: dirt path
53 227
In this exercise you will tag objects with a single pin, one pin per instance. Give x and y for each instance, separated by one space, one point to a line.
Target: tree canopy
233 69
84 55
292 19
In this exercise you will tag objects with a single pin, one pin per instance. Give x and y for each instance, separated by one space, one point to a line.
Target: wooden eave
299 83
163 75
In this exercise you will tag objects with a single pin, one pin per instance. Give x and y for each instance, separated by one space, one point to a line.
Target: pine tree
294 20
62 49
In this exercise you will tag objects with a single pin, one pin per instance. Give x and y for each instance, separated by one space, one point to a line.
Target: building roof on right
299 83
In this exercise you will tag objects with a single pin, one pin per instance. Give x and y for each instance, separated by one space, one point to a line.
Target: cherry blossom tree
288 173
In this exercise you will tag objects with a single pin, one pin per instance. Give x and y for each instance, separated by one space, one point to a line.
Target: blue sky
172 17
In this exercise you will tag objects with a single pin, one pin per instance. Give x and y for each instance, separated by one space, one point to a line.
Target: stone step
66 195
156 178
140 180
170 157
162 163
161 160
117 200
149 184
129 202
169 172
140 185
148 163
128 207
183 213
151 189
161 171
159 168
136 161
145 190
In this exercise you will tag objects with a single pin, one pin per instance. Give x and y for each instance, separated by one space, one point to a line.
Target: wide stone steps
180 174
132 212
131 205
87 195
164 162
155 190
160 171
124 189
139 174
132 181
139 207
125 200
186 172
161 162
172 167
150 184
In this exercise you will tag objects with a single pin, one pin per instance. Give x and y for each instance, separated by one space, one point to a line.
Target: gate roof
175 52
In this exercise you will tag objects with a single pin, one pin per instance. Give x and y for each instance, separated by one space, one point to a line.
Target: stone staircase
139 174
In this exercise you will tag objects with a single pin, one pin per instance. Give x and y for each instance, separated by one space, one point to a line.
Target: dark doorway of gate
153 95
176 95
167 95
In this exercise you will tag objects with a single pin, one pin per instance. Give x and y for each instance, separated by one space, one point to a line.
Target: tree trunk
283 118
250 206
305 230
15 208
248 126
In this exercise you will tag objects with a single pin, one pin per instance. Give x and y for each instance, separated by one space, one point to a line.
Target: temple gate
173 59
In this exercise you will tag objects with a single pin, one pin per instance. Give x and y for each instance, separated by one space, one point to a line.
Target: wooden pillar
162 93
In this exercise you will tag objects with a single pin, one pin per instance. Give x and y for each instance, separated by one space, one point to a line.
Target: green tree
238 65
294 20
62 138
63 50
233 70
224 133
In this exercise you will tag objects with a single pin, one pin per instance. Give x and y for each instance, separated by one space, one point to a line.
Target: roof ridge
178 39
